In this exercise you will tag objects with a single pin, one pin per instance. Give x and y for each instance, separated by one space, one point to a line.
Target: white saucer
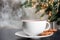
22 34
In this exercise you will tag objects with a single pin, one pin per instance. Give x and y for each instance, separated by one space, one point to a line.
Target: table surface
8 34
56 36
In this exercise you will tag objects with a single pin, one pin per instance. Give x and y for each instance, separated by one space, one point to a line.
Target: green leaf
53 18
42 0
53 12
55 3
49 8
25 3
30 3
38 8
42 15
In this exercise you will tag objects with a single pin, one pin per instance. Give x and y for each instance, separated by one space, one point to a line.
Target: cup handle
47 27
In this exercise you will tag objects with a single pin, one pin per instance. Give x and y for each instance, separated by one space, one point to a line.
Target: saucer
23 34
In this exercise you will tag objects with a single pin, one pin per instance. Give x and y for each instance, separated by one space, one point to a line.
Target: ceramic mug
33 28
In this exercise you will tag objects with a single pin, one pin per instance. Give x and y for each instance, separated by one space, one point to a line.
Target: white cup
33 28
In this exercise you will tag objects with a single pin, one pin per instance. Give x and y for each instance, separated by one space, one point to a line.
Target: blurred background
13 11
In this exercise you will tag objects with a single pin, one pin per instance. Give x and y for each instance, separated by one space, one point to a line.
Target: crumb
47 32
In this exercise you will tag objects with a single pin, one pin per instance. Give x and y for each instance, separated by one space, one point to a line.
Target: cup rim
33 20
